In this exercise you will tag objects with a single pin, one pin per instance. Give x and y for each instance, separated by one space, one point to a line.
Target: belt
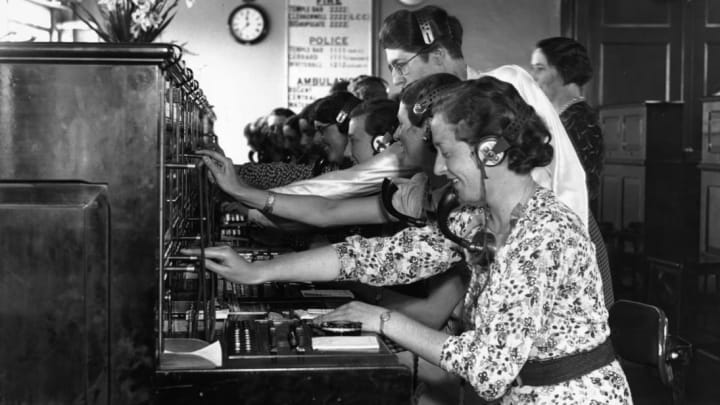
555 371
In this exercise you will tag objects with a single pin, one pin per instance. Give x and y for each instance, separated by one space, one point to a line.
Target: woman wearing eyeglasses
536 300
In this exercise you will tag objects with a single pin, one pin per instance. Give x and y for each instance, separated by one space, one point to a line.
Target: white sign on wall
328 40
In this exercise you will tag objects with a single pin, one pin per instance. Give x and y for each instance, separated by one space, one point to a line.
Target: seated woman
372 125
536 324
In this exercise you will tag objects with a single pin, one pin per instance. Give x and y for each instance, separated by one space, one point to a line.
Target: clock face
248 24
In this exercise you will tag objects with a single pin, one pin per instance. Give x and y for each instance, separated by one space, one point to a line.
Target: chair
639 333
703 330
706 299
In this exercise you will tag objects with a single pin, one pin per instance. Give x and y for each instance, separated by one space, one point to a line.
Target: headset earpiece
378 143
491 150
427 136
344 112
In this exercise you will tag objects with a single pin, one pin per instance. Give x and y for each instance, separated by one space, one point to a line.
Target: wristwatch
384 317
269 203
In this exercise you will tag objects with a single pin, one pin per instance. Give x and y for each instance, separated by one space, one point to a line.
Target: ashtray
341 328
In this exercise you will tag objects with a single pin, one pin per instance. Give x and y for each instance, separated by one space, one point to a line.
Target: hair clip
425 28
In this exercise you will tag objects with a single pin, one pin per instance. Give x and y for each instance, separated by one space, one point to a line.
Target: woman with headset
369 125
372 125
535 322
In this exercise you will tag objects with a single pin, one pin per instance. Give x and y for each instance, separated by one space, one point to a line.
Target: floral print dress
541 299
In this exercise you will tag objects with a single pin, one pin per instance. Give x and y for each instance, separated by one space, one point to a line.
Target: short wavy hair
490 107
329 108
569 58
367 87
421 91
401 30
381 115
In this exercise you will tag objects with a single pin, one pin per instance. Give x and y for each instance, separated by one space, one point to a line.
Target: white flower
140 18
155 19
135 30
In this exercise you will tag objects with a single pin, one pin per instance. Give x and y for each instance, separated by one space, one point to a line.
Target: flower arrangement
127 20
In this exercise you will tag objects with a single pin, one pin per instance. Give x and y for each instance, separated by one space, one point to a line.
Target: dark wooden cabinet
648 177
87 133
100 188
54 290
710 180
623 193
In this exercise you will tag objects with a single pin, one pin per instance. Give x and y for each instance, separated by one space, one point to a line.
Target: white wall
242 82
245 82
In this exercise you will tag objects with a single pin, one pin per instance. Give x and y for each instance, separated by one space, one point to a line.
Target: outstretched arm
360 180
405 331
308 209
319 264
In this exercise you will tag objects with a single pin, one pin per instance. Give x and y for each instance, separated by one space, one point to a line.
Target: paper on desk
366 343
191 353
311 313
327 293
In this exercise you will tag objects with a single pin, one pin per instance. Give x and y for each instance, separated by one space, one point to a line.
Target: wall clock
248 24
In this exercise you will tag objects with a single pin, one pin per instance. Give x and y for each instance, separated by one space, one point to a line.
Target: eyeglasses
402 67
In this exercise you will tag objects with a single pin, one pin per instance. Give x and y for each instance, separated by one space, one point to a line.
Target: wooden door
711 132
710 212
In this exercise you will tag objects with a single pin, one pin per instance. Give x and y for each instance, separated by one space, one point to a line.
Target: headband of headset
424 105
344 112
483 244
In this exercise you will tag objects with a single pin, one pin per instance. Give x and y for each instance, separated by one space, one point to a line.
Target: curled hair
367 87
490 107
294 123
420 90
569 57
401 30
381 116
282 112
262 140
309 111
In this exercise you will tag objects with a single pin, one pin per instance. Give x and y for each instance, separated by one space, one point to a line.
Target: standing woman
536 324
561 67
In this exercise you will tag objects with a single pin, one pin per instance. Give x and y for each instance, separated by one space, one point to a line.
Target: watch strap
384 317
269 203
